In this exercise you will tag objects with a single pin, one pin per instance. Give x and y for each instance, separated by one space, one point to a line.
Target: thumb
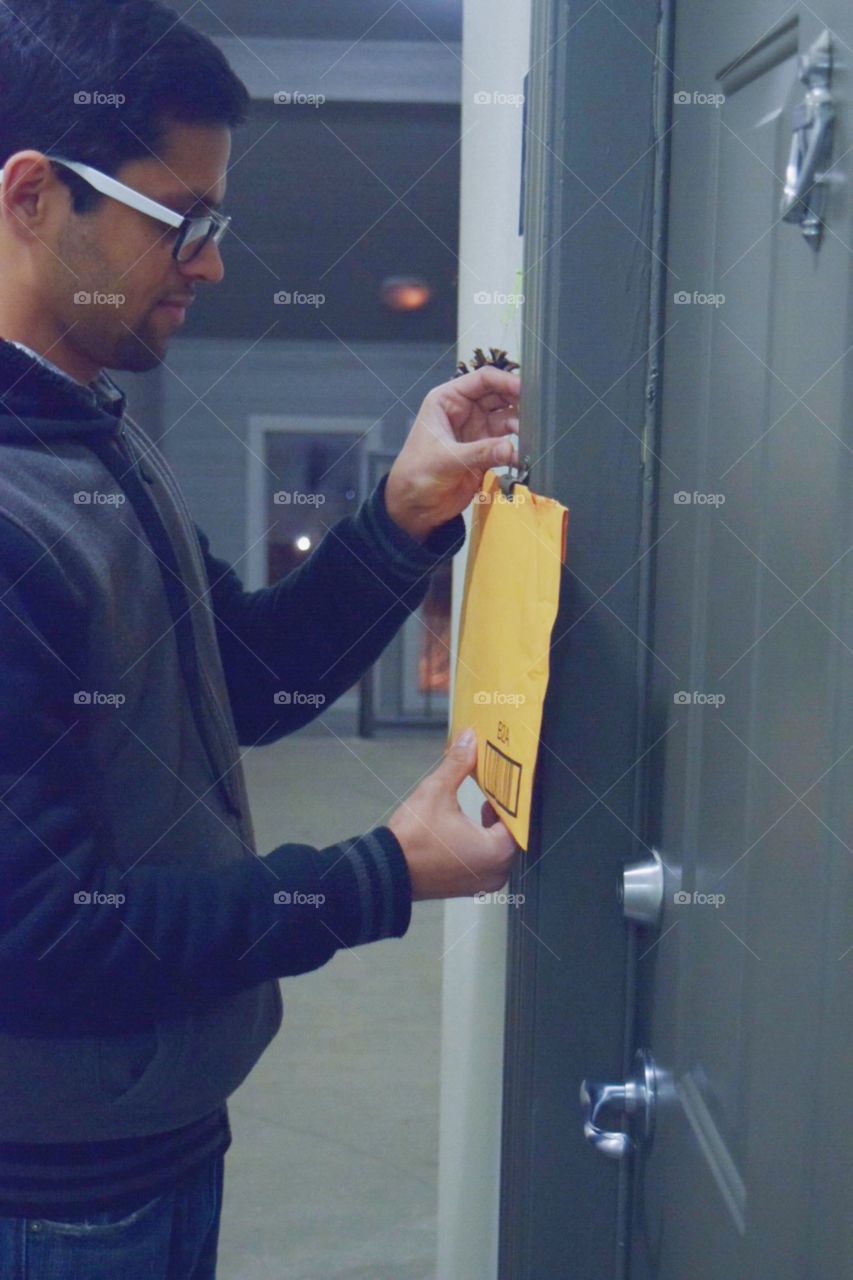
479 455
459 760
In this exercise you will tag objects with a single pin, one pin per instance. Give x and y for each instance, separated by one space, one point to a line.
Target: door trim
587 1212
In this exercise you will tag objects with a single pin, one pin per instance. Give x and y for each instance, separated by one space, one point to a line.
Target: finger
458 762
488 379
501 840
497 836
479 455
488 814
502 421
490 402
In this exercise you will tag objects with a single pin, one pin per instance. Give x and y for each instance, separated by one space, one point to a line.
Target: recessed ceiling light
405 293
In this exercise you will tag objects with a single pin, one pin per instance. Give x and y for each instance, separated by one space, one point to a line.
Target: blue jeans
172 1237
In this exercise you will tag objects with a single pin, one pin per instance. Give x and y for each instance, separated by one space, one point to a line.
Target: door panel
744 997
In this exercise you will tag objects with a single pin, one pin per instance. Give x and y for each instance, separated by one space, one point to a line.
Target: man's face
121 260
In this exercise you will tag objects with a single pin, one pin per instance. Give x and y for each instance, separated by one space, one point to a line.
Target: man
141 935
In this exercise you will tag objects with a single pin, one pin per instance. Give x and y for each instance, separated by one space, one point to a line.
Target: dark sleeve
182 935
290 650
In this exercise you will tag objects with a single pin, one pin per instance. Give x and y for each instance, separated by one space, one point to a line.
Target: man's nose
207 266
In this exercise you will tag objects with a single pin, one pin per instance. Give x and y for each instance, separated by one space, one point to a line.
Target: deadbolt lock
641 891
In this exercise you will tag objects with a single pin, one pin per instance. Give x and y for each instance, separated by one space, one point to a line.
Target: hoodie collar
104 392
32 388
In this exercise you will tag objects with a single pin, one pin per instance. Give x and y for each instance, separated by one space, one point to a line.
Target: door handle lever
635 1098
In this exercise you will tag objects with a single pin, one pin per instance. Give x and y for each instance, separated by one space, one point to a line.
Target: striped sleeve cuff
367 887
406 557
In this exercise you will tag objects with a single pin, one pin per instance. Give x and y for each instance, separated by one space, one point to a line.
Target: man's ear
29 183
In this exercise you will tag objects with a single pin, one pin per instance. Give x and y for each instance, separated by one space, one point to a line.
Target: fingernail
466 739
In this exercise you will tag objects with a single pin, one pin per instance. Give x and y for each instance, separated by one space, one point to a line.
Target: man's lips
177 308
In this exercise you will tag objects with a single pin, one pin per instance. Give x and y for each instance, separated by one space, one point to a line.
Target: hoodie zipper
124 445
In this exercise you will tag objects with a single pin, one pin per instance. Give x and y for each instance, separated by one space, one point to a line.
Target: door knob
641 891
635 1098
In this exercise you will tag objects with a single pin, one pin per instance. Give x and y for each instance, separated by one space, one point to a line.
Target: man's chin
138 354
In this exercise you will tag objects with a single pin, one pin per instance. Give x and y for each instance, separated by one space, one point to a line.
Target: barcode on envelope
501 778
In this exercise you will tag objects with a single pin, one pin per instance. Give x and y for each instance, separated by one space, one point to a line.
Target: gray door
700 698
745 992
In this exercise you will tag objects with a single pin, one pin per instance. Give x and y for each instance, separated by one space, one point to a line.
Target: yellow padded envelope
512 584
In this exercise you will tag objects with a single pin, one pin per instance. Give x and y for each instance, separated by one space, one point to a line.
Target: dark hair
167 72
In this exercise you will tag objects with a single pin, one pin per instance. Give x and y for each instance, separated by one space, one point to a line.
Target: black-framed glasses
194 233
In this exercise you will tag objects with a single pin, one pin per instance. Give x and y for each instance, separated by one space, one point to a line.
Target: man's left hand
451 446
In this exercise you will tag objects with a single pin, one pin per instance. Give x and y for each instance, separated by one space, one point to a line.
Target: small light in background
303 543
405 293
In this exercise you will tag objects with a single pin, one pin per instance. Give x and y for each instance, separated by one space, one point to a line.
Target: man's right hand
448 855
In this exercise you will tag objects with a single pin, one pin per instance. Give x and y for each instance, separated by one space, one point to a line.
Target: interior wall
496 40
212 387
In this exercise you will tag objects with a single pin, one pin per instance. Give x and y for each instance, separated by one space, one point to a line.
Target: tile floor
332 1172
